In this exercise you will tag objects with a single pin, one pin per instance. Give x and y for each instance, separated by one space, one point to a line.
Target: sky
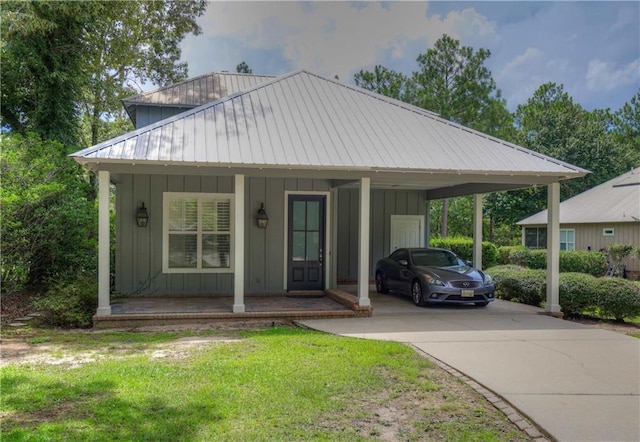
592 48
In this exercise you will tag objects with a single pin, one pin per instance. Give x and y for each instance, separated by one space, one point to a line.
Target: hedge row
463 247
579 293
592 263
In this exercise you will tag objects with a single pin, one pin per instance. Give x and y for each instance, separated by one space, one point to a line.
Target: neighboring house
607 213
344 176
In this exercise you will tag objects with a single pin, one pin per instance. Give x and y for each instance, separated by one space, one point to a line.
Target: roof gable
307 121
195 91
617 200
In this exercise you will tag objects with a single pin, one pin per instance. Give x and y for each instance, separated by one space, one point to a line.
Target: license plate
466 293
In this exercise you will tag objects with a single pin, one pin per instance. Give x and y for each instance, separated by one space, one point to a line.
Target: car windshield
435 258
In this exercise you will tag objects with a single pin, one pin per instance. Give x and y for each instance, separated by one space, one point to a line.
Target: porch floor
137 311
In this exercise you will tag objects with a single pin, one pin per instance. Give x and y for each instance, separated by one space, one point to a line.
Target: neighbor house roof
302 120
195 91
617 200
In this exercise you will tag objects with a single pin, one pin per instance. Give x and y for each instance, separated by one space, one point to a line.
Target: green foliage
463 247
69 304
67 60
618 253
592 263
42 67
504 253
453 81
386 82
537 259
243 68
48 224
515 283
578 293
618 298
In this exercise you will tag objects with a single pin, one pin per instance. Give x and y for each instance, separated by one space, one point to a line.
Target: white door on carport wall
407 231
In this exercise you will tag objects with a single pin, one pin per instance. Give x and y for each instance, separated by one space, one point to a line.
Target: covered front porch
216 309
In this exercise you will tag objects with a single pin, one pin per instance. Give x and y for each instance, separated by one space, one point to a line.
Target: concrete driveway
577 383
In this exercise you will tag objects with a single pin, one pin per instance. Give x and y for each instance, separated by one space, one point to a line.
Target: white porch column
477 231
238 246
363 243
553 249
104 299
427 224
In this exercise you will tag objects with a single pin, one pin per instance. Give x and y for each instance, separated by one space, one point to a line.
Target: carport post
553 249
363 243
104 299
477 231
238 233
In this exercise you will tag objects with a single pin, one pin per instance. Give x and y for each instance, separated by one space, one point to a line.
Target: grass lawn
280 384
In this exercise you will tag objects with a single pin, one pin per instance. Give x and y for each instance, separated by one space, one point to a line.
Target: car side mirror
403 262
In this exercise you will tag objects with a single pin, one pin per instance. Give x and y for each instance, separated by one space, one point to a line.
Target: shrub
49 229
514 283
537 259
463 247
519 256
505 251
576 261
70 304
592 263
617 298
577 293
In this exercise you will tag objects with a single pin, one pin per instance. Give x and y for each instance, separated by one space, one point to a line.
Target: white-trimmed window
607 231
567 239
197 233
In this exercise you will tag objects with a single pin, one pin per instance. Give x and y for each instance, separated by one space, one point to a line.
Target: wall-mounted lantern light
142 217
262 218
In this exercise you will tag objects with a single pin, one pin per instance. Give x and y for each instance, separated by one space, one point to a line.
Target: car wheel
482 304
416 293
380 287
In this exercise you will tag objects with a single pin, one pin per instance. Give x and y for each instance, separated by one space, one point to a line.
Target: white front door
407 231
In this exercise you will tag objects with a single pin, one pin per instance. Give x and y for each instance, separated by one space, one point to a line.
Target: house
594 219
343 175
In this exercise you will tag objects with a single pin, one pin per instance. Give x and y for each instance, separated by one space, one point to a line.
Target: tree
243 68
48 224
42 67
386 82
551 123
129 44
62 59
626 132
454 82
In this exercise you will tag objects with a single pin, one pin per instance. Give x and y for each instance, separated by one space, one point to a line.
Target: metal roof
195 91
615 201
302 120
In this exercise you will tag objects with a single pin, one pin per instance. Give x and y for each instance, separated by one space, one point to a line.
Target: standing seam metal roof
304 120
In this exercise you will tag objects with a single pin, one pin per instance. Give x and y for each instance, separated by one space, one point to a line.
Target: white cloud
604 76
338 38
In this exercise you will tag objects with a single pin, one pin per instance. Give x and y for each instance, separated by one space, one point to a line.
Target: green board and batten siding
139 250
138 266
384 203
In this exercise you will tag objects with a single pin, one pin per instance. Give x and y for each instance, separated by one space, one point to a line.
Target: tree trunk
445 215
